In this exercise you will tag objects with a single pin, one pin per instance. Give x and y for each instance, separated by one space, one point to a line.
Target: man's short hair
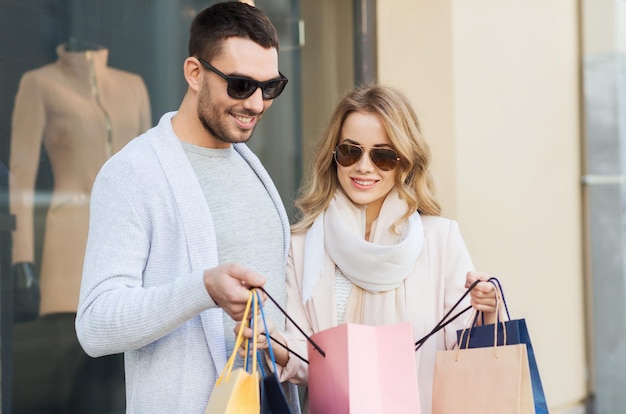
220 21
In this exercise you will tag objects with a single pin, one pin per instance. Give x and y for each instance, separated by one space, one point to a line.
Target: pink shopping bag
366 369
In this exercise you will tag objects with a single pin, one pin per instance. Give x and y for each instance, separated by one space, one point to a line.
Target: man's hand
228 284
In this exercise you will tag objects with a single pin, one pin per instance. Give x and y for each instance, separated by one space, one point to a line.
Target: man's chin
230 135
241 136
240 139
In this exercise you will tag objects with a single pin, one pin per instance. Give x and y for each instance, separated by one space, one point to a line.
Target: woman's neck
371 215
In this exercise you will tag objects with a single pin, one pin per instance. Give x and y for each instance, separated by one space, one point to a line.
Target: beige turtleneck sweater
83 112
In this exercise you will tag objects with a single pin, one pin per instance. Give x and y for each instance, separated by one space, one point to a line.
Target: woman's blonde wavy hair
413 179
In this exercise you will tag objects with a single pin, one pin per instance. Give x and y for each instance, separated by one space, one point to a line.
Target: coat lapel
419 288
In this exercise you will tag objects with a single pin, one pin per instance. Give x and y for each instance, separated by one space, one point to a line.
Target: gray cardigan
151 237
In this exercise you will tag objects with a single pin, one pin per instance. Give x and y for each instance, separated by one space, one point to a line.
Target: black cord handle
418 344
445 321
315 346
274 340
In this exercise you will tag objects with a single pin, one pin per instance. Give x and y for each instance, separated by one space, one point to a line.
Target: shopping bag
360 369
516 332
237 391
489 380
493 380
273 400
366 369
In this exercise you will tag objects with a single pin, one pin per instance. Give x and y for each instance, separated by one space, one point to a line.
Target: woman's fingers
248 333
483 297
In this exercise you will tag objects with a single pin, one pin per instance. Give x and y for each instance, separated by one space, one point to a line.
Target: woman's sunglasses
383 158
243 88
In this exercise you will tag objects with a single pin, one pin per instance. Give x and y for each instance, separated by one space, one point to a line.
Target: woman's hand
248 333
281 355
483 296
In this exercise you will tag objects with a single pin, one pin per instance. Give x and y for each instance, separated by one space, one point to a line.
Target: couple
185 218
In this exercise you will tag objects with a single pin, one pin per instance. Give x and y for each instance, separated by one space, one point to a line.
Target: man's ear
192 70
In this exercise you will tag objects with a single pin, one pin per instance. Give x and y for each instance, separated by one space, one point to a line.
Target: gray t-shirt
247 225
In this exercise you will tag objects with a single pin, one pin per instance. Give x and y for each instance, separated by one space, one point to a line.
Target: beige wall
604 26
496 85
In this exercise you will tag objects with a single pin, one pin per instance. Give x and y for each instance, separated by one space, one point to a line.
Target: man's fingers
228 284
246 276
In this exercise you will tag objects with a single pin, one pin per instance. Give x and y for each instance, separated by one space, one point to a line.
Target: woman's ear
192 70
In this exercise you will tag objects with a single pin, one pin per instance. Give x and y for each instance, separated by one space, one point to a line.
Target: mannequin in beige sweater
83 112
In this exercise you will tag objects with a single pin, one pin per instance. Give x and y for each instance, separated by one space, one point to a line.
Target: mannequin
75 44
82 112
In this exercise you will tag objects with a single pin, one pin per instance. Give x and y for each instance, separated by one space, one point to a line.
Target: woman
370 247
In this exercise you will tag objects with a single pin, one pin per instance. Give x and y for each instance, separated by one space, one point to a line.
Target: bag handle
257 297
308 338
255 330
471 323
254 326
442 324
445 321
495 281
498 287
238 341
418 344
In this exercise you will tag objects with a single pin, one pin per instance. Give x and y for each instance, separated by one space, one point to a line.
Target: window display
80 111
83 111
79 82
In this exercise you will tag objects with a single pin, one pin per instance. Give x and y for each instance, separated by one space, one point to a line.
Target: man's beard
221 136
212 122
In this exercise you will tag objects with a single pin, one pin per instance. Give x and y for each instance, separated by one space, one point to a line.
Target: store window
78 80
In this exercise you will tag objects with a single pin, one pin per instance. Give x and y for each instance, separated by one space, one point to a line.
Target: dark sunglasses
383 158
243 88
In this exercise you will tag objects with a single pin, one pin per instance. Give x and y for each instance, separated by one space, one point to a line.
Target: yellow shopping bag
237 391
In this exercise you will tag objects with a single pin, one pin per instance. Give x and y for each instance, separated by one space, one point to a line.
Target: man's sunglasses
242 88
383 158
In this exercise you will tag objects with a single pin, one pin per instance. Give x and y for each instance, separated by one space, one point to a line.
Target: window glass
78 80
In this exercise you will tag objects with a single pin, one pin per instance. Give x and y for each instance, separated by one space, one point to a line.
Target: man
184 219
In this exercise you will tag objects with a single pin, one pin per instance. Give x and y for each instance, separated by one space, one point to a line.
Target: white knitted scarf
376 266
